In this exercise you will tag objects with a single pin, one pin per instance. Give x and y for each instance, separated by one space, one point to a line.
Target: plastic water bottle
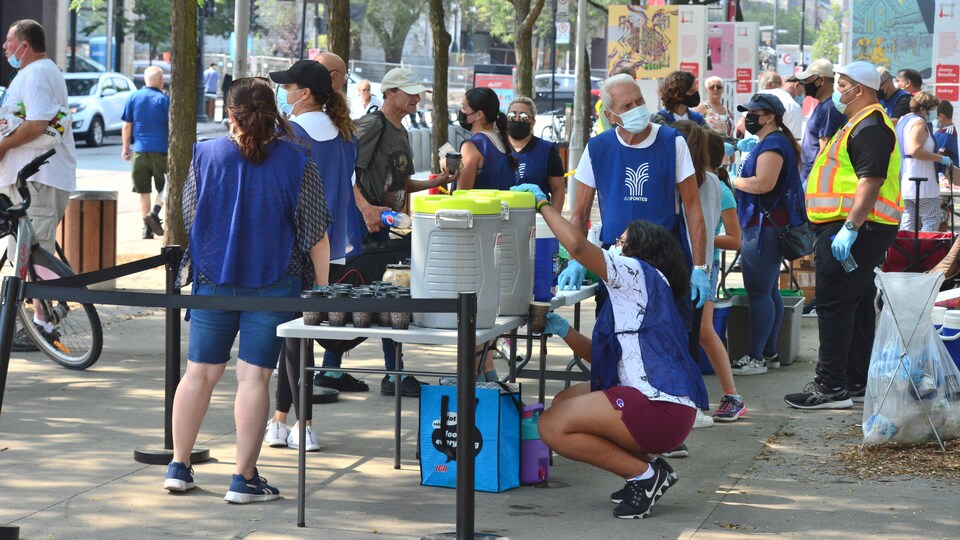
398 220
849 264
593 234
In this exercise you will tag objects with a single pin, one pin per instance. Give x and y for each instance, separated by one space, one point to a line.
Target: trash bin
88 232
738 325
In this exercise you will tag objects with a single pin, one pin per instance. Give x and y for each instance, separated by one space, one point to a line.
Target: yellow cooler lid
478 205
513 199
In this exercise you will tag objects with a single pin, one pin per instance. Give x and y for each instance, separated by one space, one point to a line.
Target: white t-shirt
357 109
628 292
684 164
41 88
918 168
793 114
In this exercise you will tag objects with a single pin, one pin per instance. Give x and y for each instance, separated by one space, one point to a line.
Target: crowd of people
296 189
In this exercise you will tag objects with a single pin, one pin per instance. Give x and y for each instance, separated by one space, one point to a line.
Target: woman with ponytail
487 160
254 207
320 121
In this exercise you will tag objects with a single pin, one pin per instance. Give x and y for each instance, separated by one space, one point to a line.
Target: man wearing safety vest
853 200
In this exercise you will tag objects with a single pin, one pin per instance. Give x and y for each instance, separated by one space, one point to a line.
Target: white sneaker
702 420
277 434
293 440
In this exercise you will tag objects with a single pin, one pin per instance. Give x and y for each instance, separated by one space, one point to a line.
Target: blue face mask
285 107
836 97
13 60
635 120
932 117
799 99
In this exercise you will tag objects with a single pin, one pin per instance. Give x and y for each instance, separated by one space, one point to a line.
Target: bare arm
558 191
571 238
916 138
730 239
442 179
26 132
867 190
694 214
580 215
371 213
472 161
768 170
580 344
126 134
320 256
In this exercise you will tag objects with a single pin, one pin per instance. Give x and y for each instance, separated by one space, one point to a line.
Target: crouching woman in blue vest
257 218
644 386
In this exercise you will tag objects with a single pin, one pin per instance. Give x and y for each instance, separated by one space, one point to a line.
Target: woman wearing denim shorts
255 211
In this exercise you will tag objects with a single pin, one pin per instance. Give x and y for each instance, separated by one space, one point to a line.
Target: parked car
564 91
140 65
86 65
96 103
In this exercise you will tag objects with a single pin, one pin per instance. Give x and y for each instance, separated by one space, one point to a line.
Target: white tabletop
414 334
569 298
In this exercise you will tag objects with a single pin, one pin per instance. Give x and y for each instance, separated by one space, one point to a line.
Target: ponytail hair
339 113
793 140
697 143
485 100
258 120
716 152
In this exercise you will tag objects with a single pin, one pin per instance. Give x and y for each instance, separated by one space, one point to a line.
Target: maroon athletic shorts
657 426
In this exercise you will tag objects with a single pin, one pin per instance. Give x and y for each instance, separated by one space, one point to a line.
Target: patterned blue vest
245 225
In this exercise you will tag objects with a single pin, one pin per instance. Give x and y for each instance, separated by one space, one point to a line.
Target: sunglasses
715 87
522 117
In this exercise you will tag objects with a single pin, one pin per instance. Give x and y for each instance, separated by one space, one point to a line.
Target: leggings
760 257
288 378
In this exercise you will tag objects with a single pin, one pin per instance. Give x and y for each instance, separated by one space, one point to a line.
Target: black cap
763 102
307 74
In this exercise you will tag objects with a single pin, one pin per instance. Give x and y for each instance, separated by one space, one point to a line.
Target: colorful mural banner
896 34
946 51
644 39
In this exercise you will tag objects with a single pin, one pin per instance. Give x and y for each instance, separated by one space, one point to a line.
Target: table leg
302 452
512 361
396 406
543 367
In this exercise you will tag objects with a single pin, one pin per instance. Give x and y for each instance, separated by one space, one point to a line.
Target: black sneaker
154 223
818 396
345 383
857 392
672 479
409 386
22 342
641 495
147 233
52 338
678 452
773 362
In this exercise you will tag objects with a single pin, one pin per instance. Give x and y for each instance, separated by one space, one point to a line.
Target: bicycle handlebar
26 172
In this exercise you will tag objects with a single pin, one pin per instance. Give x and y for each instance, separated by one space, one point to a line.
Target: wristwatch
850 226
704 267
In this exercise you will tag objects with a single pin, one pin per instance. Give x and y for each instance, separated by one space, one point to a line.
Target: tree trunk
526 17
338 28
393 53
441 63
183 114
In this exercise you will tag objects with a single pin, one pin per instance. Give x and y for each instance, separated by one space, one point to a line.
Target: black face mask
519 130
811 89
692 100
752 123
462 120
881 94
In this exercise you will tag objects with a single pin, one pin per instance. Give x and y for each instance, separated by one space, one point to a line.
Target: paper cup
537 321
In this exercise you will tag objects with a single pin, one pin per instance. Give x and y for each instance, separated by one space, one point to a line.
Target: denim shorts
213 331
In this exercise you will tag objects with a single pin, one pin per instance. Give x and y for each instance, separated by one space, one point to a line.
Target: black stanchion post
161 456
8 315
466 394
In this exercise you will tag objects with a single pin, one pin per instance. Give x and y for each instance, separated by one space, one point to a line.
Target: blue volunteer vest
692 115
635 183
890 103
245 226
533 164
336 159
663 344
496 172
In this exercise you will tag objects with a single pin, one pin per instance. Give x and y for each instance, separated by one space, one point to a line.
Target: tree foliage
827 44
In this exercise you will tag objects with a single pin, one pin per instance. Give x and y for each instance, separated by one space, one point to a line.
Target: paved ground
67 468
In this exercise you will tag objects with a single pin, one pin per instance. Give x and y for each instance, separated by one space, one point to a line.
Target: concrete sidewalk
67 468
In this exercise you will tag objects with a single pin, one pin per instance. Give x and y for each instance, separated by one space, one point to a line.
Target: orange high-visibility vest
832 184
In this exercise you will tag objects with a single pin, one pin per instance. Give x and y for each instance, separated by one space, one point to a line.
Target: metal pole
302 416
73 40
553 60
466 394
580 96
172 375
241 29
109 44
803 27
201 88
8 314
303 31
776 13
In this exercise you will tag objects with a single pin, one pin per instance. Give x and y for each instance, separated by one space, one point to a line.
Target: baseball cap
308 74
820 67
862 73
763 102
792 78
405 79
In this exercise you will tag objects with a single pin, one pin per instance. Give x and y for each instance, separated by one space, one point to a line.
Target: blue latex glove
946 161
531 188
571 277
556 325
699 287
729 149
842 243
748 144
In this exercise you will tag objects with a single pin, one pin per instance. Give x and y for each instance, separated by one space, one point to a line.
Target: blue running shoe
179 477
730 410
256 489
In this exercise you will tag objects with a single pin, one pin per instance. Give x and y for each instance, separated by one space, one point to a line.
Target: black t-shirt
902 106
870 146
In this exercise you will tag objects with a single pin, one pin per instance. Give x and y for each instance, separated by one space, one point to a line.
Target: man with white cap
825 120
853 200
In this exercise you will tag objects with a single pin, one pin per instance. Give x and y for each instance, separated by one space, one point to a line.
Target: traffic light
254 15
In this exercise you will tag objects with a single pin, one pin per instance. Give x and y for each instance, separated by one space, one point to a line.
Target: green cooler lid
513 199
430 204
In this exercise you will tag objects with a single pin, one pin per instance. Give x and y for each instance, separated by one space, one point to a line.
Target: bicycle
77 338
557 130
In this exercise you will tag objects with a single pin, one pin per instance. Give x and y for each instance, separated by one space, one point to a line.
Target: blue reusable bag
496 437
